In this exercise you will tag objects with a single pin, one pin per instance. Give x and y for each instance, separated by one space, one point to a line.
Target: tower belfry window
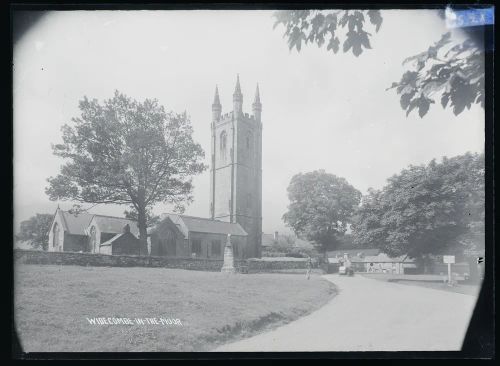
223 145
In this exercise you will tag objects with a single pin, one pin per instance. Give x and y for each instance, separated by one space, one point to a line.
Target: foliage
286 246
151 219
321 206
452 71
126 152
425 210
324 28
35 230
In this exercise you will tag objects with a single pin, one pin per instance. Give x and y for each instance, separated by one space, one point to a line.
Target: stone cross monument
228 266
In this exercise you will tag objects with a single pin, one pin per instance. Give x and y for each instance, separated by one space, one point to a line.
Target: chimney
275 236
126 229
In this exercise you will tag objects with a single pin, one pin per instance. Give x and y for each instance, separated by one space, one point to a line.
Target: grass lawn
52 304
428 281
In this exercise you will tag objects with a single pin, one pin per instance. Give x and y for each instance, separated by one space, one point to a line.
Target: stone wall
99 260
255 265
252 265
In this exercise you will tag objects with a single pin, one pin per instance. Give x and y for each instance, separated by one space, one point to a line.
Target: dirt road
371 315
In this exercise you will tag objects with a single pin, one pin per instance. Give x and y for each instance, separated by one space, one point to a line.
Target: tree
126 152
425 210
151 219
323 28
321 206
450 71
35 230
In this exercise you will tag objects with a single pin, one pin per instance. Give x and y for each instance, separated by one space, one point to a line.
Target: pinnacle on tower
257 106
216 98
237 89
216 107
237 99
257 96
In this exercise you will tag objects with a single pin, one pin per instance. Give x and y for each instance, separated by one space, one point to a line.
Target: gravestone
228 266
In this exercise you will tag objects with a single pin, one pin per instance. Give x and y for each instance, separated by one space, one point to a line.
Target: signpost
449 259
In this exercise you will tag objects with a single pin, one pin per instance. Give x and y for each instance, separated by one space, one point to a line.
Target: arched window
93 241
55 232
223 145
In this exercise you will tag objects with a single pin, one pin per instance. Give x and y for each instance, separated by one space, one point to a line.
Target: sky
320 110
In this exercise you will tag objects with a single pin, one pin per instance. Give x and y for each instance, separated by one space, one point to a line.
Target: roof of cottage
75 223
384 258
188 224
111 224
354 252
110 241
119 236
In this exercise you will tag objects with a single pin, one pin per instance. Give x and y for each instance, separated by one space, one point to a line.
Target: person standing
309 267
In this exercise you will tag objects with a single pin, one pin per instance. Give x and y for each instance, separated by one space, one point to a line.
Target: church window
55 231
223 145
249 200
216 247
196 247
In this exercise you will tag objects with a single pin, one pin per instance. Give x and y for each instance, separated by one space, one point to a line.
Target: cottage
67 232
382 263
195 237
85 232
124 243
103 228
371 260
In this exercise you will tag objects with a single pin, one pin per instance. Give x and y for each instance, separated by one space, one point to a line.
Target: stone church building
195 237
235 190
235 201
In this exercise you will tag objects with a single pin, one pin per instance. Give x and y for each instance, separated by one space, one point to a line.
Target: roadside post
449 259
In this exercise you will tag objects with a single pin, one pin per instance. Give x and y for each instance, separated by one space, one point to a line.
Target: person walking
309 267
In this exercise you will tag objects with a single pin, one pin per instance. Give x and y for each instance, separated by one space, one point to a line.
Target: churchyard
181 310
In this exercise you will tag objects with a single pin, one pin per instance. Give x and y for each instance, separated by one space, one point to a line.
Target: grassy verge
432 282
52 304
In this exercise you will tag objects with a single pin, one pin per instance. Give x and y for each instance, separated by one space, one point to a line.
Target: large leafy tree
123 151
321 207
35 230
449 71
425 210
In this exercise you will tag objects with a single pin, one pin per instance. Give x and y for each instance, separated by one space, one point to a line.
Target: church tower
236 167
